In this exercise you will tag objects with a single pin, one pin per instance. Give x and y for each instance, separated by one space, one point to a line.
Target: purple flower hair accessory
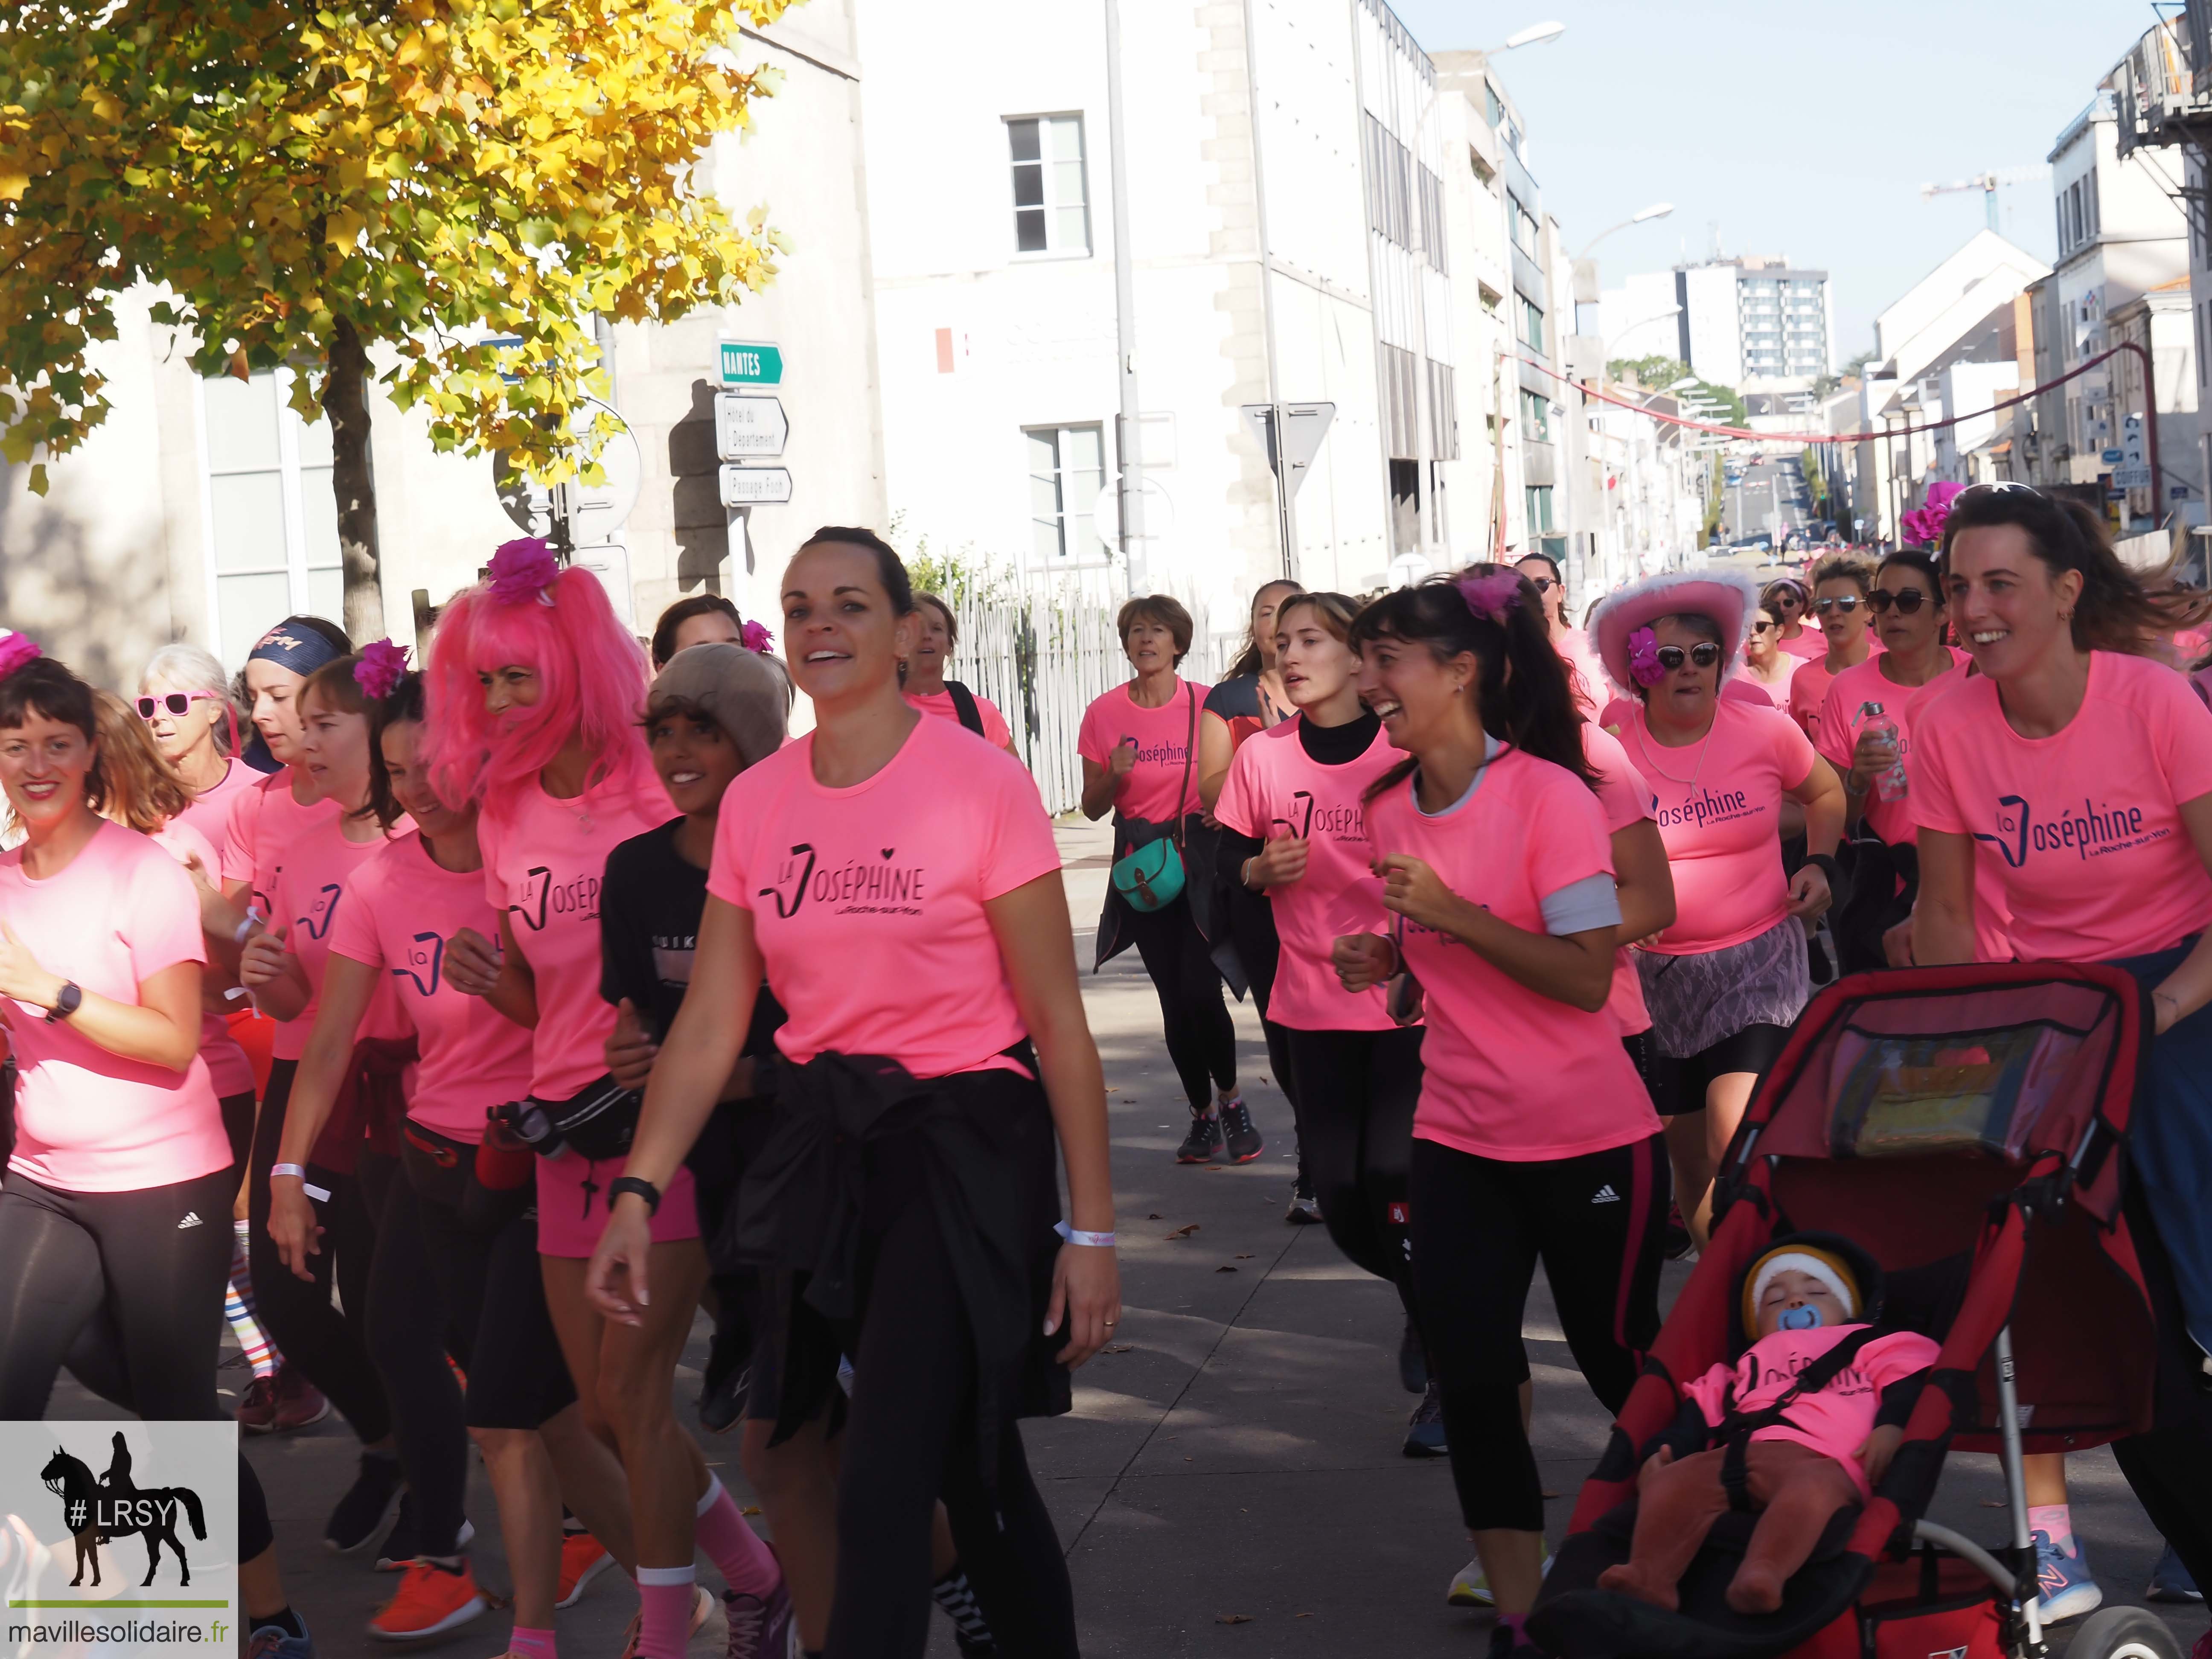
382 666
755 636
16 650
1925 524
523 569
1644 664
1493 596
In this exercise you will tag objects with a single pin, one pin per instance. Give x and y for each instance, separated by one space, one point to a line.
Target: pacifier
1800 1319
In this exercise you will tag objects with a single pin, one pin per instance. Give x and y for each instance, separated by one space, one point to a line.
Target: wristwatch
70 1000
644 1190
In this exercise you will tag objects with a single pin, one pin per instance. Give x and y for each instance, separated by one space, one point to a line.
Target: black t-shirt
649 911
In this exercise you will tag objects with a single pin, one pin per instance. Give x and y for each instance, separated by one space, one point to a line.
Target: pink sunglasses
179 703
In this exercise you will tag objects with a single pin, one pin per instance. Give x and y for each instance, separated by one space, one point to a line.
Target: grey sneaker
1425 1432
1203 1144
1239 1133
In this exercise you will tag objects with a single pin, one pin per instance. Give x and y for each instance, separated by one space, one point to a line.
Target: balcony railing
2161 88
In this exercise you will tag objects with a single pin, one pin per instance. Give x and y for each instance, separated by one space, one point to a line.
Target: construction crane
1986 183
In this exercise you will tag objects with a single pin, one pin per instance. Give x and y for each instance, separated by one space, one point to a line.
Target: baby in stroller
1801 1426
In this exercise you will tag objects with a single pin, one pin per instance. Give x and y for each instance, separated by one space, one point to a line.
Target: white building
1752 322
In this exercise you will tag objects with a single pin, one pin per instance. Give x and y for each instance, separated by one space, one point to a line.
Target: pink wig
592 678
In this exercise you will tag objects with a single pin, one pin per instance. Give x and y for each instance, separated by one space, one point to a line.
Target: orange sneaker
432 1600
583 1559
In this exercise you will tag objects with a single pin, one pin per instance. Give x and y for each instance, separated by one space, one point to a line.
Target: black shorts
1678 1087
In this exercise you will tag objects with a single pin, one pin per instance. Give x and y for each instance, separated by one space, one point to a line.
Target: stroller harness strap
1737 1427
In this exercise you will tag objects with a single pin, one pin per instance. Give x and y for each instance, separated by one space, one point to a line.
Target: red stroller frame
1964 1125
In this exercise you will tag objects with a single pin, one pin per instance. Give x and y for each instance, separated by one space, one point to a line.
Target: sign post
750 362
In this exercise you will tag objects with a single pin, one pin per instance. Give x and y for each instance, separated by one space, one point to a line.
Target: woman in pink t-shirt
923 681
1842 590
1792 602
1724 983
1768 668
1572 643
536 696
1534 1137
1138 745
917 938
120 1177
183 697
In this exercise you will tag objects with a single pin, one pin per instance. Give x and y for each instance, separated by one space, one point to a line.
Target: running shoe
1240 1134
1678 1242
404 1541
1425 1432
758 1629
300 1403
274 1642
1306 1208
722 1391
1203 1143
1413 1361
366 1502
2170 1581
702 1604
1505 1645
583 1559
1470 1586
2062 1580
257 1411
432 1600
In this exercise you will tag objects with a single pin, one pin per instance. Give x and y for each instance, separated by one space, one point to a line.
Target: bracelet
644 1190
252 920
1076 1235
297 1171
1244 874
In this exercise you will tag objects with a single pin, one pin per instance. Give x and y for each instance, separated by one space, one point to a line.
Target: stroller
1964 1125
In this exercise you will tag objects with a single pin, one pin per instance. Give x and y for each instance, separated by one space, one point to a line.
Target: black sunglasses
1703 655
1764 627
1542 584
1848 603
1906 602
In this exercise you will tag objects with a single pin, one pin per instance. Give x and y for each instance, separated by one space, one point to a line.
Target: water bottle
1890 783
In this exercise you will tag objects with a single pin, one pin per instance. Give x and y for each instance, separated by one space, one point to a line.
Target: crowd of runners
519 1002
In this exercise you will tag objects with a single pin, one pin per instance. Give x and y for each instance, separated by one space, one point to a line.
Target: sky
1804 130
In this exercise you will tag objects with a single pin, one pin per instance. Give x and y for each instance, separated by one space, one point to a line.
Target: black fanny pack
449 1173
597 1122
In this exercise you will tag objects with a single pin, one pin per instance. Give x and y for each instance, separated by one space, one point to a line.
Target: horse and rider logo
99 1512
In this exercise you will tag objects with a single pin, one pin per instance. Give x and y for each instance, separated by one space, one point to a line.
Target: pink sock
746 1565
666 1597
2054 1522
527 1644
1518 1623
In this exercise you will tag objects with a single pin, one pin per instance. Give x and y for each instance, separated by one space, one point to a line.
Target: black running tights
155 1261
1201 1038
327 1345
1357 1092
1480 1226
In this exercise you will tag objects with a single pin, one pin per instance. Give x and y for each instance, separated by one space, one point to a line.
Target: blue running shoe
2062 1580
2170 1581
274 1642
1424 1434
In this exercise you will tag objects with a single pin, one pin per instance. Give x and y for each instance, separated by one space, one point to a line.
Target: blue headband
303 650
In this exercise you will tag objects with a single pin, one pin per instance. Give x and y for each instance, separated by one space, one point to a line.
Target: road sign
2110 456
752 363
2133 472
747 426
754 486
594 512
1155 511
1304 425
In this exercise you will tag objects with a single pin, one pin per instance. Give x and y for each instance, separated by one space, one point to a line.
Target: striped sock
528 1643
238 1309
957 1597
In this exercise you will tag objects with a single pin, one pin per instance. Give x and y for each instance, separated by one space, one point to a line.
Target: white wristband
252 920
298 1172
1100 1241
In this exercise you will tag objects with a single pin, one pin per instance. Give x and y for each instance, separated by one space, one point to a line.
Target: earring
2066 616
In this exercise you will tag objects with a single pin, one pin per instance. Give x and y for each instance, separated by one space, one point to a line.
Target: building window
1444 412
1050 213
1538 508
1520 225
1432 216
1389 185
1068 469
1401 394
269 515
1535 417
1532 324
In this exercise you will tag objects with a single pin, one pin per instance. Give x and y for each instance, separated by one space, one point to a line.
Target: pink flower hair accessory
16 650
755 636
1925 524
1644 664
523 569
1493 596
382 666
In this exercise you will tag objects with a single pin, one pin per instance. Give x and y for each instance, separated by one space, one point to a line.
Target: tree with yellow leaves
467 182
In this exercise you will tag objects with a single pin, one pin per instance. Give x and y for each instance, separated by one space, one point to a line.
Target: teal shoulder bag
1151 877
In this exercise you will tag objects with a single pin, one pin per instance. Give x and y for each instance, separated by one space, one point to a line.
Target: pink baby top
1720 812
265 821
1162 736
2083 828
228 1069
940 703
1744 689
402 910
1837 1419
867 902
1508 1072
1992 943
88 1120
1274 789
1840 724
210 811
1625 798
313 893
543 864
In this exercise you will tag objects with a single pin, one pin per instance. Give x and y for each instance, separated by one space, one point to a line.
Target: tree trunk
345 402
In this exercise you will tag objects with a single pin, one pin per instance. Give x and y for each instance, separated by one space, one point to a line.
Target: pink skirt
571 1205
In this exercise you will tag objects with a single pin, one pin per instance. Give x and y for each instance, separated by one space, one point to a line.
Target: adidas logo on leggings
1607 1195
192 1219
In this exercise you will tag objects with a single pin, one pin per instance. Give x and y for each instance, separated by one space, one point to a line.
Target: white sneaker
1470 1586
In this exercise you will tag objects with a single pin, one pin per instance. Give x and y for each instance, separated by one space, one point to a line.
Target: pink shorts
571 1218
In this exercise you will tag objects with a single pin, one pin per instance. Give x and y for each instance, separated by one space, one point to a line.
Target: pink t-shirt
315 890
1835 1420
1720 814
1808 688
210 811
401 908
1585 671
1992 916
1808 644
1744 689
265 820
228 1069
1840 724
2084 827
1509 1073
543 863
940 703
1162 735
88 1120
1625 798
1274 789
867 902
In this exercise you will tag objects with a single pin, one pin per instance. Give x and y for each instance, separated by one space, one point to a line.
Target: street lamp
1656 210
1534 36
1656 316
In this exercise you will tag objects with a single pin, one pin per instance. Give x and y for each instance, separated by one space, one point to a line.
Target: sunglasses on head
1906 602
1704 654
1846 604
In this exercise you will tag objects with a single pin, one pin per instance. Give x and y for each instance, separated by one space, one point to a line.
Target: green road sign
750 363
